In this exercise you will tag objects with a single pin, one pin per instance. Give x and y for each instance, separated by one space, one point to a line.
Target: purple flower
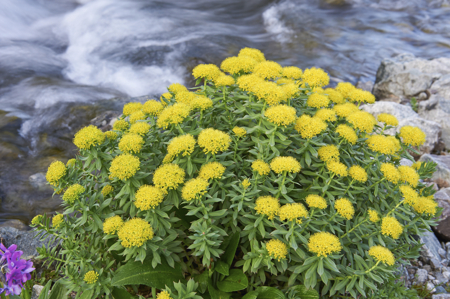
17 270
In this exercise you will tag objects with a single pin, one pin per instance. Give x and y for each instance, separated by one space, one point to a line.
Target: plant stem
354 228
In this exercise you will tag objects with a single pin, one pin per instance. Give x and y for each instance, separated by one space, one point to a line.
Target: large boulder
442 230
442 174
437 109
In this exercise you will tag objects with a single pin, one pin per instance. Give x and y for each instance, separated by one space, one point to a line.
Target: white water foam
274 25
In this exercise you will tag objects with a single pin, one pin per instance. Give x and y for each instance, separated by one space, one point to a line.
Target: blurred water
59 54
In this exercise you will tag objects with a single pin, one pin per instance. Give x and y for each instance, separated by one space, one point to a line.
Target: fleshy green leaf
236 281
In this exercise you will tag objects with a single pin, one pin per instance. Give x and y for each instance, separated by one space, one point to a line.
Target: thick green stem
355 227
154 293
282 184
377 182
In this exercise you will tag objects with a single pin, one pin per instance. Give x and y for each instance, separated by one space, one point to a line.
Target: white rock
37 289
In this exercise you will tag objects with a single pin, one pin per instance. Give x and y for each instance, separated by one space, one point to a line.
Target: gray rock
440 278
421 276
37 289
427 267
398 110
440 290
39 182
442 252
437 109
442 174
435 264
368 85
431 277
406 162
441 296
446 275
431 287
442 86
432 130
431 246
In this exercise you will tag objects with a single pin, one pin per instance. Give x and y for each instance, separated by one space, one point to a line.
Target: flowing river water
61 61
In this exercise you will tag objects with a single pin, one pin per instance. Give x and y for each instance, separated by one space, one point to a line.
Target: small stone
442 253
444 262
427 267
37 289
413 271
440 278
440 290
446 274
435 264
421 276
422 96
431 277
441 296
431 287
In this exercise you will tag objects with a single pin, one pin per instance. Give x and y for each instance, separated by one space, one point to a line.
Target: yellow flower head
373 216
358 173
412 135
176 88
88 137
91 277
71 162
425 205
207 71
317 100
246 183
382 144
213 141
324 244
284 81
253 53
194 188
211 170
173 115
270 92
361 96
168 176
309 127
224 80
290 89
344 208
112 225
391 227
57 220
36 219
148 197
293 212
201 102
390 172
345 88
107 190
111 135
329 153
409 175
364 121
410 195
131 143
337 168
73 193
268 69
261 167
135 116
120 125
135 232
347 133
335 96
281 164
132 107
55 172
240 132
418 164
240 64
388 119
248 82
281 115
344 110
326 114
292 72
184 145
164 295
124 166
185 97
267 205
315 77
153 107
316 201
140 128
164 98
382 254
277 249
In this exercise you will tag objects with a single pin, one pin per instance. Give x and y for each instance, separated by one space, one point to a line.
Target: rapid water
60 60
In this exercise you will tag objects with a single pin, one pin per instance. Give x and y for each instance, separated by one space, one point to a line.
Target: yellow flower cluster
261 167
309 127
201 102
290 90
135 232
347 133
37 219
140 128
335 96
358 173
131 143
425 205
173 115
270 92
240 132
213 141
382 144
326 114
107 190
324 244
281 115
277 249
315 77
345 88
168 176
185 97
253 53
138 115
268 70
361 96
337 168
124 166
417 165
224 80
148 197
329 153
316 201
388 119
88 137
206 71
409 175
248 82
344 208
281 164
412 135
344 110
153 107
293 212
317 100
112 225
91 277
409 194
194 188
361 120
71 162
111 135
268 206
390 172
246 183
373 216
240 64
184 145
292 72
55 172
176 88
57 220
120 125
382 254
132 107
164 295
211 170
73 193
391 227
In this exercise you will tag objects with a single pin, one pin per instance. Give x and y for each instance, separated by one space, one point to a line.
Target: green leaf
301 292
121 294
236 281
222 268
59 291
229 253
135 273
45 290
87 294
251 295
269 293
216 294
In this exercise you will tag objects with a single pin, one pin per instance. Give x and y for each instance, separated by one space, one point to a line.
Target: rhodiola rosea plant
259 183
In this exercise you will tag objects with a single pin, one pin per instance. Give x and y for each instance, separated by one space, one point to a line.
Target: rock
37 289
431 287
405 76
435 264
15 223
398 110
440 290
39 182
406 162
105 120
440 278
421 276
431 246
446 275
423 96
431 277
442 174
442 252
368 85
441 296
437 109
442 86
427 267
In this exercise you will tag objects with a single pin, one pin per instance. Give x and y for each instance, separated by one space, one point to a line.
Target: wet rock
39 182
105 120
37 289
442 174
421 276
437 109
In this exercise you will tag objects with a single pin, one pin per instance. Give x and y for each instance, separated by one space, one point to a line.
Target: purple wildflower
17 270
